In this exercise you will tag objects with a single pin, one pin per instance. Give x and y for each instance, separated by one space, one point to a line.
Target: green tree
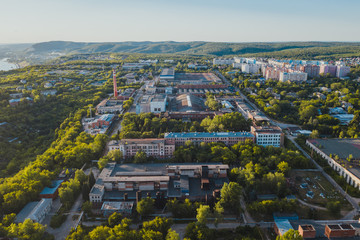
140 157
145 206
290 235
87 207
100 233
203 213
172 235
159 224
114 219
284 168
115 155
230 196
103 162
27 230
80 176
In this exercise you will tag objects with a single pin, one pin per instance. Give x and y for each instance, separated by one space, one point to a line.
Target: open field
323 191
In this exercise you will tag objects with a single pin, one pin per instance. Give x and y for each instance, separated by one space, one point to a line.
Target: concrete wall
349 177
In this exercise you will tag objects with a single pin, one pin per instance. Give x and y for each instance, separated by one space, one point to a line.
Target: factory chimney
114 82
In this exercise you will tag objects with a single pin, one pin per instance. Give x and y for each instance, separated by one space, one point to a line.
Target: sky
30 21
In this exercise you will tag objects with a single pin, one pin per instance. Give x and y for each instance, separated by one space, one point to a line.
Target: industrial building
35 211
134 66
124 208
312 229
52 190
129 182
228 138
152 103
196 78
342 155
187 103
167 74
109 106
268 135
156 147
98 124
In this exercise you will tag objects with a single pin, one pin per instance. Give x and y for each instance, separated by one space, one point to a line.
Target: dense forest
199 48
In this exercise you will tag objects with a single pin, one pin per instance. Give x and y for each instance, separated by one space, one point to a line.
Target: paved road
353 201
311 205
64 230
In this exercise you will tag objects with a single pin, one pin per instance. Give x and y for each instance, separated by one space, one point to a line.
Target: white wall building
158 104
293 76
268 136
223 61
250 68
342 71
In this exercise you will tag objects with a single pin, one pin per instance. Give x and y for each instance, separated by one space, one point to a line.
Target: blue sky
163 20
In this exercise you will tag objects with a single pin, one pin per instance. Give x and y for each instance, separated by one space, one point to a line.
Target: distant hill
200 48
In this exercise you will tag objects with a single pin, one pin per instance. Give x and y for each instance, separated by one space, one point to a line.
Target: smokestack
115 86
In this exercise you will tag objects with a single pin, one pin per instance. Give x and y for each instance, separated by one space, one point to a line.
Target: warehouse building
129 182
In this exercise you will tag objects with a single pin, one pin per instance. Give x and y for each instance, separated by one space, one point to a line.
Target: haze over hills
213 48
38 53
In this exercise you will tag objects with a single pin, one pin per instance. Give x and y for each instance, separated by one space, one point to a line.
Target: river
5 65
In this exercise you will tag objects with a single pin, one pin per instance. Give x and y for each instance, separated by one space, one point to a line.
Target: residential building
223 61
250 68
311 70
129 182
229 138
342 71
35 211
15 102
293 76
268 135
197 66
328 69
48 92
156 147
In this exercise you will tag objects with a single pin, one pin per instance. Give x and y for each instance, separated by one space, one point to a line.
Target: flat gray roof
340 147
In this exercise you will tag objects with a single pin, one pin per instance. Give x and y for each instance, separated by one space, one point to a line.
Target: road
353 201
64 230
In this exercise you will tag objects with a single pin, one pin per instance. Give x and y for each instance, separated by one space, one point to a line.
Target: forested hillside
280 49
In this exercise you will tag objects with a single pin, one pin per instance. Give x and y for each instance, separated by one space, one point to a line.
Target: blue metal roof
52 189
207 135
283 226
